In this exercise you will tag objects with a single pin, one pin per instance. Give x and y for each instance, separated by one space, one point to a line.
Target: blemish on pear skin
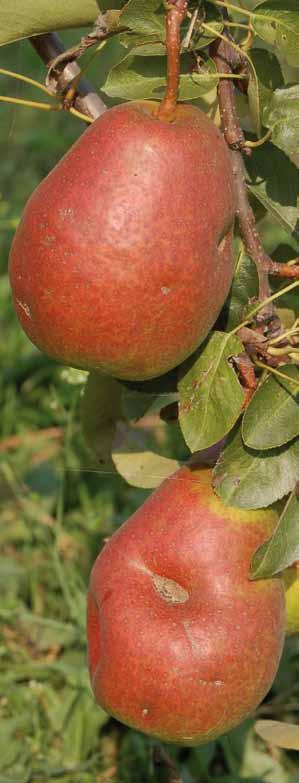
217 683
191 639
169 590
25 307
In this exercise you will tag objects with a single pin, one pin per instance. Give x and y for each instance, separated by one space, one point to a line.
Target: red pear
181 644
123 257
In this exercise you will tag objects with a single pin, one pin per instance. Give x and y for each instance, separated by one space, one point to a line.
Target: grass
56 509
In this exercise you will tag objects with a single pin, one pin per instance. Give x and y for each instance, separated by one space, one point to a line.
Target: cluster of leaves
259 451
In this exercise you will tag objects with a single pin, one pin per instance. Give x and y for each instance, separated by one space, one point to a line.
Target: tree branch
225 59
223 55
87 101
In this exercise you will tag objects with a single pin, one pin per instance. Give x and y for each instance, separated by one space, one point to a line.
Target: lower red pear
123 258
181 644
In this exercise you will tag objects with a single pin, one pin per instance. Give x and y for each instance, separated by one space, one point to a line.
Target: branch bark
224 57
87 101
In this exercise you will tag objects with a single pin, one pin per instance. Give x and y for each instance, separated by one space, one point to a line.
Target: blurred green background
56 508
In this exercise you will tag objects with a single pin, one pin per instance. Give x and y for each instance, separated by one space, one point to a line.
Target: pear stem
176 10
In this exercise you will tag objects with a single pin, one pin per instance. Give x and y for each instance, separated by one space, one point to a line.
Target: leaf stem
293 332
26 79
242 25
282 375
262 304
231 76
259 142
81 116
284 351
31 104
232 7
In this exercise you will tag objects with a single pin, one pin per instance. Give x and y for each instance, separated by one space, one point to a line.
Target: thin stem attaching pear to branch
175 12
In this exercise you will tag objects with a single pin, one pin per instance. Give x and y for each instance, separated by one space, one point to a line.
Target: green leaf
277 23
141 46
282 117
211 396
15 755
198 84
244 286
258 765
139 466
110 5
146 17
100 409
283 548
144 469
135 404
255 479
140 78
21 20
45 633
282 735
82 722
274 180
272 416
264 76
